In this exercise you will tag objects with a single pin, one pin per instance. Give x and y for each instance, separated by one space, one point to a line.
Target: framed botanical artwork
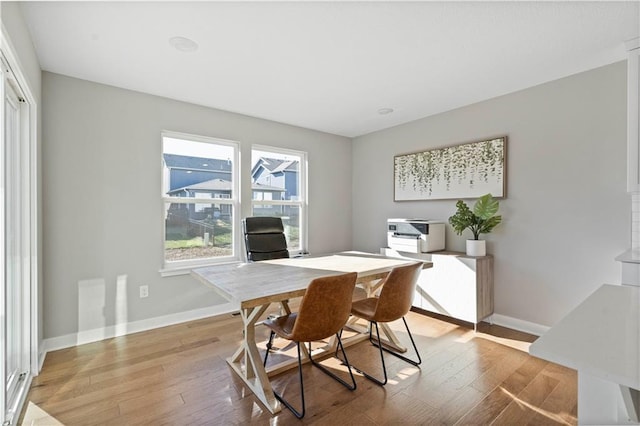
469 170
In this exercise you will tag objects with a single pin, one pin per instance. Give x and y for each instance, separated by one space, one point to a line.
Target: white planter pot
476 248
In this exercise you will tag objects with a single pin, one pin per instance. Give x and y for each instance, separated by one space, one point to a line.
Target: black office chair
264 238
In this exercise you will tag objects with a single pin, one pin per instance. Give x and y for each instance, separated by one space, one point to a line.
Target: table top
601 337
257 283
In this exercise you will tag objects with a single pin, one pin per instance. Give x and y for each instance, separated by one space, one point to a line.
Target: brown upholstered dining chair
393 303
323 312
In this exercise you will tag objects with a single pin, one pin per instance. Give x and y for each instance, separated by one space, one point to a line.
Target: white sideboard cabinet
457 285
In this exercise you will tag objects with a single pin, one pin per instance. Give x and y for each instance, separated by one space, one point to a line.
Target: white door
15 262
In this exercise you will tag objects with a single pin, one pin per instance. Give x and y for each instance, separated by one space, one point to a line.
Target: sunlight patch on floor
512 343
558 418
36 416
515 344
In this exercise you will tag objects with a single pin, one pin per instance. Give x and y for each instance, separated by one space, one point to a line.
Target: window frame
177 267
303 201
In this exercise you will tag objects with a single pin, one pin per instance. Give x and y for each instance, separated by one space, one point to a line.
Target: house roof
174 161
222 185
274 165
261 187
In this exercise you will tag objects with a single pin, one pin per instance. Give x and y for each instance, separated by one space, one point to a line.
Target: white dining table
255 286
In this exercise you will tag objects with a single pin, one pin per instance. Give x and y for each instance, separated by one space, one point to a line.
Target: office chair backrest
325 307
264 238
397 292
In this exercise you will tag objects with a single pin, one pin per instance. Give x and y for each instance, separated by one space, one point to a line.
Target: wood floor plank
527 403
119 363
441 392
488 381
148 414
178 375
120 389
401 406
459 405
457 366
90 416
498 399
560 407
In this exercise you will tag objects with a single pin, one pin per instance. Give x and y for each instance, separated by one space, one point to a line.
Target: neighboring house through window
200 192
278 179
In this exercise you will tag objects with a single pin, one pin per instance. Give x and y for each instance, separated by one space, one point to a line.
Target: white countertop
600 337
629 256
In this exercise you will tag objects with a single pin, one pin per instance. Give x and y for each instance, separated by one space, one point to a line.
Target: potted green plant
481 220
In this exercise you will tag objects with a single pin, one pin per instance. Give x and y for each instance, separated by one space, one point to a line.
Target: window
278 180
200 193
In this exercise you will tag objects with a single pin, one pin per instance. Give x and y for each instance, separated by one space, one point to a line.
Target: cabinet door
449 288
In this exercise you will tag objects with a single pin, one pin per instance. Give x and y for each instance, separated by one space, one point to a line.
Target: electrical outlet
144 291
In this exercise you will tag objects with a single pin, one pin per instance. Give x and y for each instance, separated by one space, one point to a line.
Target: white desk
254 286
601 340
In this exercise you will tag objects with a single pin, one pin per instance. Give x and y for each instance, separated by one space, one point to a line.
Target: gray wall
102 205
16 29
566 215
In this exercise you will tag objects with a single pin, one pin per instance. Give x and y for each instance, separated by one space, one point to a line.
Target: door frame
30 217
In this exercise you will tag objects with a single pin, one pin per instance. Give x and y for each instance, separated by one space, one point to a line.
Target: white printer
415 235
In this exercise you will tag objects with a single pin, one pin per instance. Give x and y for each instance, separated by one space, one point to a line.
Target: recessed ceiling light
385 111
183 44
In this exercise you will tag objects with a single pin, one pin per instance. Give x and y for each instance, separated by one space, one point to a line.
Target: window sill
186 270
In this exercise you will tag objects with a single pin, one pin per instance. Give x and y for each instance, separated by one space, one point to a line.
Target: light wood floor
178 376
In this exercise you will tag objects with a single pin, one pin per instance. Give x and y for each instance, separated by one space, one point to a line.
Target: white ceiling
330 66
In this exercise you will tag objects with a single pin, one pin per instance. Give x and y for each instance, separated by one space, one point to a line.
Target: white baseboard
41 356
520 325
89 336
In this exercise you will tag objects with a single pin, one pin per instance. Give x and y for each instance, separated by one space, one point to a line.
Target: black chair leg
384 367
279 397
382 349
351 386
396 354
269 346
298 414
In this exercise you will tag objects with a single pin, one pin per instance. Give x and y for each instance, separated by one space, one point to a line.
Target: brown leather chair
323 312
393 303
